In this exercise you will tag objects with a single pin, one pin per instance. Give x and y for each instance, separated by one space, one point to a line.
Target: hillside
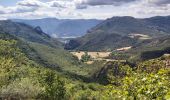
24 78
118 32
42 49
27 33
151 49
62 27
33 70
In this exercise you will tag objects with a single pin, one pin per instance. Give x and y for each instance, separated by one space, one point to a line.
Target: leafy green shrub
85 57
54 87
118 56
151 66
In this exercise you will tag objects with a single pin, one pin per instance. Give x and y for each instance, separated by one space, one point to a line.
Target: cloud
22 7
61 4
11 10
81 6
160 2
85 9
2 10
58 5
30 3
102 2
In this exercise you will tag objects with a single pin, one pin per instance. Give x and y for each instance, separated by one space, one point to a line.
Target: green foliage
25 78
22 78
22 88
151 66
85 57
116 74
119 56
149 86
54 89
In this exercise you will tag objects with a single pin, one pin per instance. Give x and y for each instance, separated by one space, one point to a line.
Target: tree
85 57
54 89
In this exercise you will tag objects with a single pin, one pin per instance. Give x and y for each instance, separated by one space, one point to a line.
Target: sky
82 9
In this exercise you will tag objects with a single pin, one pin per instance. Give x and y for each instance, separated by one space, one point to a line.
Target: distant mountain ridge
62 27
118 32
27 33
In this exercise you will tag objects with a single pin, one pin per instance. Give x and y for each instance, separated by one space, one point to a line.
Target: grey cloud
160 2
56 4
29 3
81 6
2 12
23 10
105 2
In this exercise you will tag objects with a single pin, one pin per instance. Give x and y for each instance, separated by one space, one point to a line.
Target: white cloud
85 8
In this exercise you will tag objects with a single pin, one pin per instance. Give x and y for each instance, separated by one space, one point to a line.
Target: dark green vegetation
22 78
85 57
118 32
150 49
145 50
39 68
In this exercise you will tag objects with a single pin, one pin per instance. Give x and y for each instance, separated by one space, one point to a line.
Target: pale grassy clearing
139 36
124 48
94 55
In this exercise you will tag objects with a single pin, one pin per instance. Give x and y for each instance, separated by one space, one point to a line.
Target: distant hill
62 27
150 49
40 48
118 32
27 33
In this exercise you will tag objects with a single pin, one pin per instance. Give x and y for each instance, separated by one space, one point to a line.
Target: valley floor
96 56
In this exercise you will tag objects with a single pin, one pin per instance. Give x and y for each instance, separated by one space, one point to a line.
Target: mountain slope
151 49
45 51
27 33
62 27
119 32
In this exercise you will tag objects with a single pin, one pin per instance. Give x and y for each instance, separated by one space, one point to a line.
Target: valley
120 58
96 56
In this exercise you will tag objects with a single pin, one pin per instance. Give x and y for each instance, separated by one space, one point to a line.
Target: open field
94 55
